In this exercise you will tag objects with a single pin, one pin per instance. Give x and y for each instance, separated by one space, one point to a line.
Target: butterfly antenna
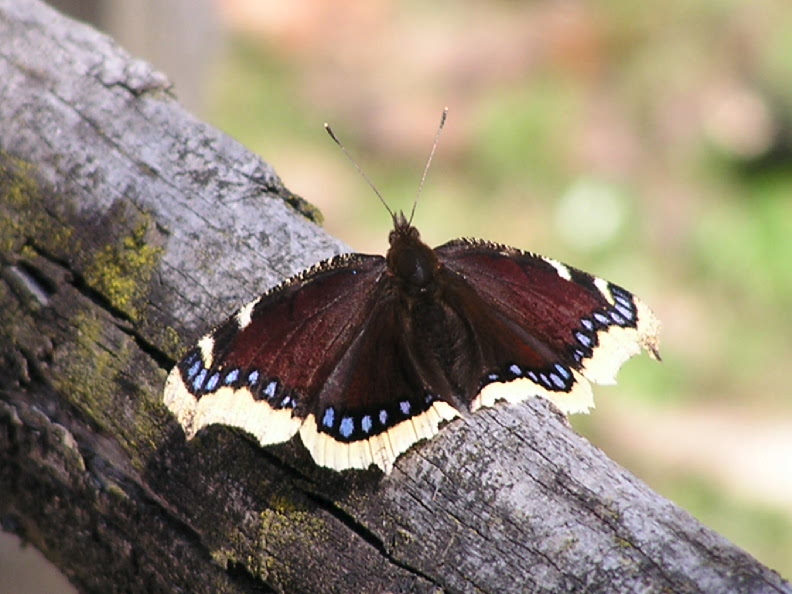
360 171
429 162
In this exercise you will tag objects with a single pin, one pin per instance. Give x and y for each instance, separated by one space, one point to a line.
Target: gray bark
127 228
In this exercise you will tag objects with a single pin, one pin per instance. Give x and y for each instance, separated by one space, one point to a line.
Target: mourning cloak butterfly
365 355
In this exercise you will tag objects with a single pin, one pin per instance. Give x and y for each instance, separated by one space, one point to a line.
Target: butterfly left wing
323 354
260 370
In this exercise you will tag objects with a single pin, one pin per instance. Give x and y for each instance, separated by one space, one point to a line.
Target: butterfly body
365 355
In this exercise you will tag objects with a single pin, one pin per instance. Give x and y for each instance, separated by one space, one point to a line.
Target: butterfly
366 355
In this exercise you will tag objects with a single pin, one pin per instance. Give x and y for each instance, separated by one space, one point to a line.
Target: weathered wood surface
126 229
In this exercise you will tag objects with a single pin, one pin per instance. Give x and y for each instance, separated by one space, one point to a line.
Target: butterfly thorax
411 262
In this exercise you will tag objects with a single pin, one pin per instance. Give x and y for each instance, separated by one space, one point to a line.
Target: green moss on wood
121 271
279 528
21 214
89 370
87 367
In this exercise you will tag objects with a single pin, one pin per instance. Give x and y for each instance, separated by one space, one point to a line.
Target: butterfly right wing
547 328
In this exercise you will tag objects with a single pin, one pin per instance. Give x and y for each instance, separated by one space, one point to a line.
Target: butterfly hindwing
376 403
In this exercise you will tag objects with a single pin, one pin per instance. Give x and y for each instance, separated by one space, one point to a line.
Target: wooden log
127 228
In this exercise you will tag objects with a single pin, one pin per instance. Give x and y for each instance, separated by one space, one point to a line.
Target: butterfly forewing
587 324
262 369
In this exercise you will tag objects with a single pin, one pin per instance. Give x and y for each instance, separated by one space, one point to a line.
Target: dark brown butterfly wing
545 324
365 360
324 354
376 402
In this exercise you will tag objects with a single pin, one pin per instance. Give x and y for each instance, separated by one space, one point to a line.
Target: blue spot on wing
231 377
617 318
347 427
329 417
213 381
601 318
558 381
624 311
563 371
193 371
198 382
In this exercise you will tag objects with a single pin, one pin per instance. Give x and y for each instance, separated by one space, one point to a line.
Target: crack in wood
368 536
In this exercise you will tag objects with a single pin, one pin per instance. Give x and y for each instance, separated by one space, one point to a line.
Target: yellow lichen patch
122 270
21 214
86 368
306 209
281 530
282 504
171 341
18 181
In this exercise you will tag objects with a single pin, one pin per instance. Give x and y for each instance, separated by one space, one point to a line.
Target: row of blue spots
272 391
201 382
624 306
622 313
346 425
560 378
200 378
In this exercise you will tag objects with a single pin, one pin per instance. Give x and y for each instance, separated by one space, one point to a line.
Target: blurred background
648 144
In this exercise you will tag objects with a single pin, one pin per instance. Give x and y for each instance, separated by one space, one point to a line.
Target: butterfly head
410 260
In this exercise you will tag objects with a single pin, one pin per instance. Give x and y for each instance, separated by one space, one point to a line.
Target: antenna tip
329 130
